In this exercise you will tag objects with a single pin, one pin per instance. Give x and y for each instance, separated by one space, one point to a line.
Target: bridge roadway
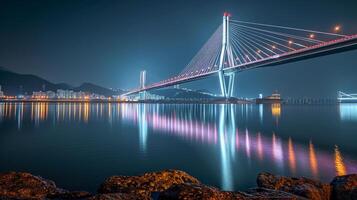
331 47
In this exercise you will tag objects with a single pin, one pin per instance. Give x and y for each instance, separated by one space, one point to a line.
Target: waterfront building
65 94
50 94
39 95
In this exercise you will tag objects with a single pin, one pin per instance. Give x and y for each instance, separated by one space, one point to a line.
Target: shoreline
176 184
217 101
238 102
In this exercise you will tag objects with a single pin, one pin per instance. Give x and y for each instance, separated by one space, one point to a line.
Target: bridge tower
226 58
142 84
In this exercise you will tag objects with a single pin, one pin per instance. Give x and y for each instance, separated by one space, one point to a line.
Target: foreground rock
344 187
115 196
26 186
304 187
147 183
197 191
203 192
269 194
70 195
175 184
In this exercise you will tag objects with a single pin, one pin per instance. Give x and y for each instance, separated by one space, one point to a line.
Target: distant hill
92 88
13 83
181 93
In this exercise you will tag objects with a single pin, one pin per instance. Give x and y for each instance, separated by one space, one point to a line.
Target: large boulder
19 185
146 184
304 187
344 187
196 191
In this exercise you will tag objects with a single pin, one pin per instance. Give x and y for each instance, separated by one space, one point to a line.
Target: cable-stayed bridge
237 46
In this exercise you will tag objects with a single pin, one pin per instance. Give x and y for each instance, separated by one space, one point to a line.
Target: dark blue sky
109 42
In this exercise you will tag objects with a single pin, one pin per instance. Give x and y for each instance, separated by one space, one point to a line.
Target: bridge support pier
227 87
231 84
142 95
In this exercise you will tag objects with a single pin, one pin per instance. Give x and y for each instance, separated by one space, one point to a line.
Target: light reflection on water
348 111
213 125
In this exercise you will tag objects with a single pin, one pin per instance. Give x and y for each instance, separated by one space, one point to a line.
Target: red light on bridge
227 14
312 36
290 42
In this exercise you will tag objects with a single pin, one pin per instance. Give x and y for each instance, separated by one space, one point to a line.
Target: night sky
108 42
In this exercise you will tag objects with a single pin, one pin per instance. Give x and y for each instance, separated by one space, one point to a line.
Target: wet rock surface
148 182
70 195
304 187
344 187
197 191
269 194
19 185
115 196
175 184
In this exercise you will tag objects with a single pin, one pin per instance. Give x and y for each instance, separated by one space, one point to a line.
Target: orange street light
337 28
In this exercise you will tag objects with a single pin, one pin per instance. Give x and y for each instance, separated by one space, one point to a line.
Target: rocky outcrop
304 187
147 183
197 191
70 195
115 196
26 186
344 187
269 194
175 184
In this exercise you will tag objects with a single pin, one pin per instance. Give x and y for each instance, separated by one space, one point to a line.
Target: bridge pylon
226 58
142 95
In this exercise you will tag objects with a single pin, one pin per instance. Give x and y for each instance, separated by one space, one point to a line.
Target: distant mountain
13 84
181 93
89 87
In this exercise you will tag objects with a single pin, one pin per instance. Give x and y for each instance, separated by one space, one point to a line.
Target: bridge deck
335 46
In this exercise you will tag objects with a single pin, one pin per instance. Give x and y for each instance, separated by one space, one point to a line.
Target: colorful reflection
313 160
340 166
230 140
58 112
276 109
292 159
276 112
143 126
214 126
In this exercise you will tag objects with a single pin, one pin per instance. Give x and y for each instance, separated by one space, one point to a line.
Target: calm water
78 145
